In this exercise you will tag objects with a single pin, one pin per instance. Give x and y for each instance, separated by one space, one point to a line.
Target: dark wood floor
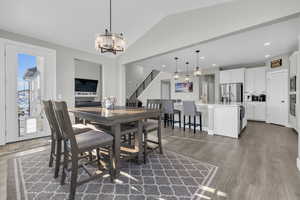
261 165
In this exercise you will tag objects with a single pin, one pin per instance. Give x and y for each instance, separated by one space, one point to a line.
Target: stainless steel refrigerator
231 92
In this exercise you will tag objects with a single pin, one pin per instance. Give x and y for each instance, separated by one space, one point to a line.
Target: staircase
143 85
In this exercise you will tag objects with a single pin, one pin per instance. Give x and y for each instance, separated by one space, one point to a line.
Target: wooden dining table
114 118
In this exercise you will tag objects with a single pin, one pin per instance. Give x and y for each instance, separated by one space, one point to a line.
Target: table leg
138 143
116 130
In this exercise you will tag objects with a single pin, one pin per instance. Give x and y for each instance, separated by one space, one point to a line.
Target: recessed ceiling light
202 57
267 44
267 56
163 66
214 65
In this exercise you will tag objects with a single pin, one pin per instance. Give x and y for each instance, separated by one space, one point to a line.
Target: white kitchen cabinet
249 83
249 110
255 80
260 111
256 111
225 77
232 76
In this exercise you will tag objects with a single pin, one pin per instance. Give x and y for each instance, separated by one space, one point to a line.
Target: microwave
293 83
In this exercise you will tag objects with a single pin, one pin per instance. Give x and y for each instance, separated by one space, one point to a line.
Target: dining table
114 118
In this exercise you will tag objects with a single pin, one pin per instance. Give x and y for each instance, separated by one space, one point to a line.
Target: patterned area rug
164 177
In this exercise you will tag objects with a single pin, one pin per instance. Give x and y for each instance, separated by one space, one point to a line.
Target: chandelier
110 42
197 71
176 74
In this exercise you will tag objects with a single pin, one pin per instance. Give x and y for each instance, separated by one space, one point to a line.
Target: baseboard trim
298 163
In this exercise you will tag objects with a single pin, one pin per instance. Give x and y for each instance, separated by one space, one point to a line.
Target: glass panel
29 95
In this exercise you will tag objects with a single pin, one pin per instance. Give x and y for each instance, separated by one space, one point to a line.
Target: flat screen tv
85 85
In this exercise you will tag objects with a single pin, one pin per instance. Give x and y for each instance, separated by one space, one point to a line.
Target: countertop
215 104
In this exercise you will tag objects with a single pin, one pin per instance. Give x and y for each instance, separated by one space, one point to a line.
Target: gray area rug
164 177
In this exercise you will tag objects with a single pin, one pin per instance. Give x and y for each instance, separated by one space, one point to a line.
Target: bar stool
170 112
189 109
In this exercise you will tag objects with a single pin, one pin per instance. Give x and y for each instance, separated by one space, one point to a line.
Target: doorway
26 85
165 89
277 97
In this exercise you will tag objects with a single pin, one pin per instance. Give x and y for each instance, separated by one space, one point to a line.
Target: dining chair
169 112
56 139
190 110
75 145
151 125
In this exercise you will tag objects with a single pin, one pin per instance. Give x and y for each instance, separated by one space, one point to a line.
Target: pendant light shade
197 71
187 76
109 41
176 74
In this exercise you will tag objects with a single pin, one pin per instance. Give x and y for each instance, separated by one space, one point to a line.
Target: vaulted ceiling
248 48
74 23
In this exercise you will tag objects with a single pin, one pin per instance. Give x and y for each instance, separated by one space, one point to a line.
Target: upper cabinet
232 76
255 80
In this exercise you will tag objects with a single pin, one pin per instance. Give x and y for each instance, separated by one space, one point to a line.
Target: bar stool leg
179 119
183 122
195 124
189 122
173 121
200 122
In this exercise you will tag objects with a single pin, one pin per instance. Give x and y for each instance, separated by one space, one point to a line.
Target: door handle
282 101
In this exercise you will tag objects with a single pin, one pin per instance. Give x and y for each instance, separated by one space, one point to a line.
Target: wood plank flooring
261 165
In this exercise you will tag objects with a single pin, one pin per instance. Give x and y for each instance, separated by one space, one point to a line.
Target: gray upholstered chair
190 110
76 145
151 125
169 113
56 139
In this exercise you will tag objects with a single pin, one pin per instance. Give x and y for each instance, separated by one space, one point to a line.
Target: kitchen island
221 119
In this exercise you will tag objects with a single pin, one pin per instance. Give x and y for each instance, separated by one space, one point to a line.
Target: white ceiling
240 49
74 23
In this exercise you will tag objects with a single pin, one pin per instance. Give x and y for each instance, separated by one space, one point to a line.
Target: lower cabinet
256 111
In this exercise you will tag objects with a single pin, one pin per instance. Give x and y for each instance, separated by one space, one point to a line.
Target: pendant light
197 71
110 42
176 74
187 76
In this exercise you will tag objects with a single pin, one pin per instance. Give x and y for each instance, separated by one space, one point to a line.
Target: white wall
89 70
135 75
190 96
192 27
298 105
153 91
201 25
65 72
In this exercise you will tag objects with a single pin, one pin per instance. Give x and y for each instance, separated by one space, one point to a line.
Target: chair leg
52 152
90 155
65 165
145 146
58 158
183 122
74 175
194 124
159 138
98 158
189 122
165 120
